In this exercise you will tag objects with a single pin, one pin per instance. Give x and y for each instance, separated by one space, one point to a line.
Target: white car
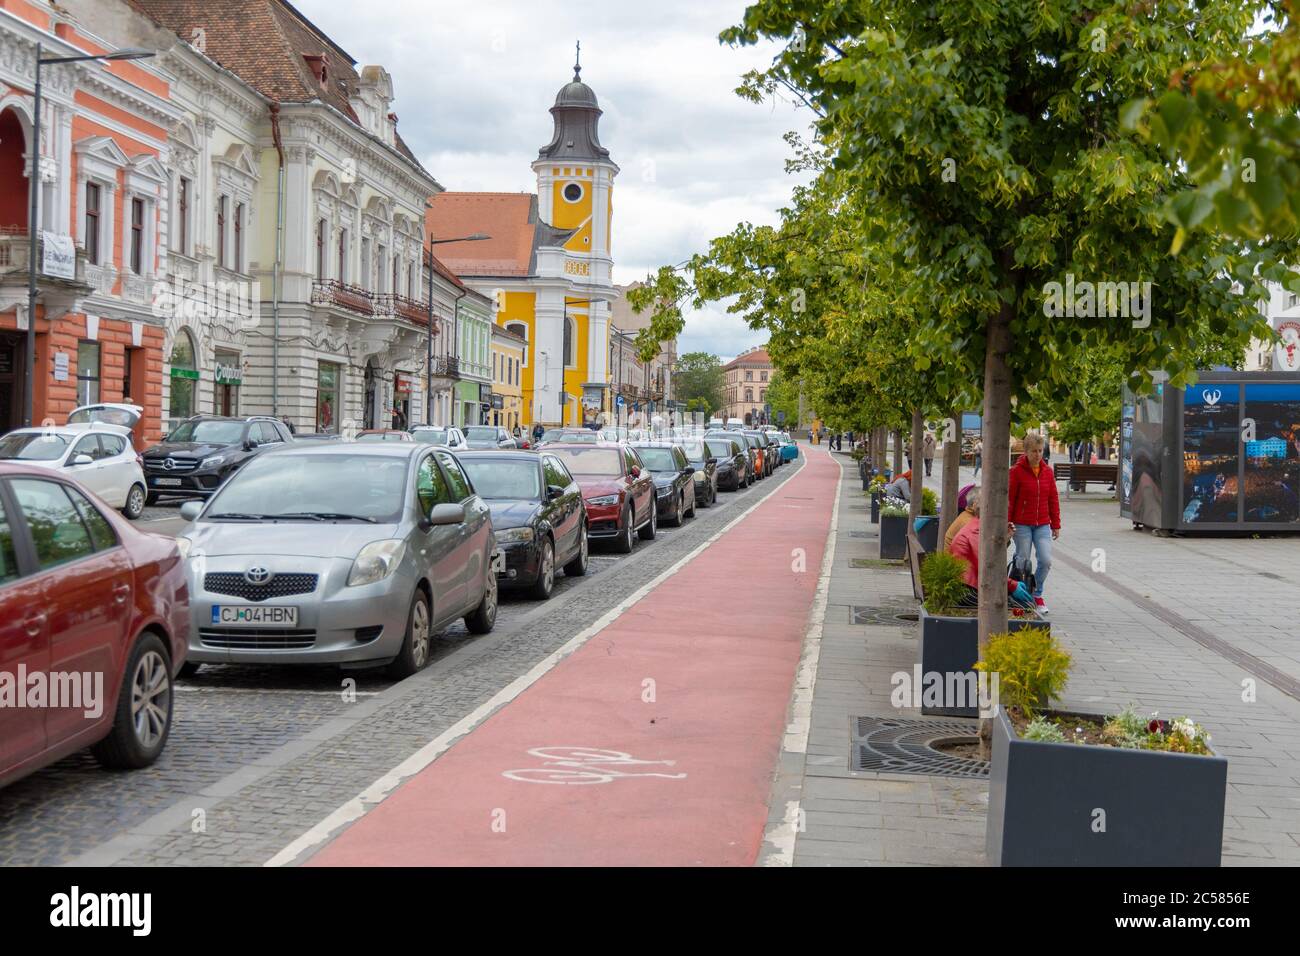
452 438
98 456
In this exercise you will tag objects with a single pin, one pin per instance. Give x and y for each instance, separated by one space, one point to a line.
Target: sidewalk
1152 629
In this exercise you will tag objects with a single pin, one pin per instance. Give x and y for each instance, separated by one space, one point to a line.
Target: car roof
71 431
504 455
400 449
12 467
585 444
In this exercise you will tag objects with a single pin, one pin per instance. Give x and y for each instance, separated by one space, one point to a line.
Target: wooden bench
916 556
1082 472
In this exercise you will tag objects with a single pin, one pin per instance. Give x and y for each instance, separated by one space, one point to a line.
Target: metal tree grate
902 745
902 615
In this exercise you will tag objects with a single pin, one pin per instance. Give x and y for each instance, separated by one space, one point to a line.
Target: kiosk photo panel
1272 466
1211 453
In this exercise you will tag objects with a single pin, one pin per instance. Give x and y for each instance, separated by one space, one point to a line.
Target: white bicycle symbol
582 765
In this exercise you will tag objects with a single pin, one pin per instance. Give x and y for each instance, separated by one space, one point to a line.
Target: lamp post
428 325
33 183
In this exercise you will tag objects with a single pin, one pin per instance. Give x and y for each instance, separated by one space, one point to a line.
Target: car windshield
104 413
480 433
210 433
719 449
694 450
583 437
33 446
657 459
368 486
431 436
381 436
504 478
591 461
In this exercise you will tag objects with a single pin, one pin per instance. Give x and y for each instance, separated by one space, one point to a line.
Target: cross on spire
577 64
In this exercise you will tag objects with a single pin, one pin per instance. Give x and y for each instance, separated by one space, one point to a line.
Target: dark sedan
706 471
733 463
749 450
764 449
538 516
674 480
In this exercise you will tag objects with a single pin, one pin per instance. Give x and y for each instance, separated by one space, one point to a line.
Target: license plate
167 481
252 615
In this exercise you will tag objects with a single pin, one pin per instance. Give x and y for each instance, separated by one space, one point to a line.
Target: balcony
399 306
59 295
340 295
444 373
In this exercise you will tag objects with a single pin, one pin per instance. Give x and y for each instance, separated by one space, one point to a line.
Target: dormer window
319 67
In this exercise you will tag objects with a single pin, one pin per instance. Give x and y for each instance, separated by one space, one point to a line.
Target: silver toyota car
347 554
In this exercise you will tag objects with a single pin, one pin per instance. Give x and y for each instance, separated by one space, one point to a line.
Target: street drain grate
903 745
877 564
895 616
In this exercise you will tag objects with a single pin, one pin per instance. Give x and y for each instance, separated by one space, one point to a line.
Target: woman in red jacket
1034 513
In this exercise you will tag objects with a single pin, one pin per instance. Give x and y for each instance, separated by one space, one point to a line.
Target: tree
699 380
783 396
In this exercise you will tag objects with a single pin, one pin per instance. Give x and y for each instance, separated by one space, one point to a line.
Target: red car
94 621
617 489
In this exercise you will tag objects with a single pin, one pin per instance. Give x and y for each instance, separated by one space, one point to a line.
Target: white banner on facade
59 256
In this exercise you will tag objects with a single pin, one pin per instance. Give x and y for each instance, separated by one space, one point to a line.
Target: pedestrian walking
1034 514
537 432
929 452
979 454
907 452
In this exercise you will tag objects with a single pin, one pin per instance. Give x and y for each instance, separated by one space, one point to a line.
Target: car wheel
188 669
651 527
691 513
545 572
679 511
143 716
484 617
578 566
708 498
135 499
415 644
623 544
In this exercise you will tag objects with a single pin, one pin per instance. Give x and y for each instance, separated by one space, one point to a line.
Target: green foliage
1130 730
942 581
1031 665
1043 730
1126 729
894 511
929 501
783 396
698 380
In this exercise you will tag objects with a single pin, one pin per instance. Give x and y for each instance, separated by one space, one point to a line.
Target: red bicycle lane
655 742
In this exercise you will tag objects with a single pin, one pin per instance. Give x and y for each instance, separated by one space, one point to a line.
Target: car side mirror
688 470
250 444
445 514
83 459
636 471
710 461
191 510
553 492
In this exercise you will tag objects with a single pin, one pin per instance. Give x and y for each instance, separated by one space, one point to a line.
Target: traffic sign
618 401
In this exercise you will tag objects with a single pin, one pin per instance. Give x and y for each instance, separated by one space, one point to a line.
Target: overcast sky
474 82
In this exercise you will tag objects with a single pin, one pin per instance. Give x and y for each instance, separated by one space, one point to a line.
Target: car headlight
376 561
512 535
604 500
185 544
664 492
701 476
213 461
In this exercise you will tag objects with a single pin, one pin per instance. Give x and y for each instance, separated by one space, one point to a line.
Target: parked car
484 437
100 457
87 597
582 436
674 480
789 447
317 436
760 442
538 516
203 451
383 434
452 438
118 414
706 470
733 462
750 451
331 553
618 490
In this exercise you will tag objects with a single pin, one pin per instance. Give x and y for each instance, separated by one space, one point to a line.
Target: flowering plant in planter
893 508
877 482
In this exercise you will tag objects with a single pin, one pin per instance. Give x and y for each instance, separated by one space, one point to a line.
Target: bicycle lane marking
686 774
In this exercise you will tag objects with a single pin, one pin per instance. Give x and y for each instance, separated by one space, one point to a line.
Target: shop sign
228 374
60 366
402 383
58 256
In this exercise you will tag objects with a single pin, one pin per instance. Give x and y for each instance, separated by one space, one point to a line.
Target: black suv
203 451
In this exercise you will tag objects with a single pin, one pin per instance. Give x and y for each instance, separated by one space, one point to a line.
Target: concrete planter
875 507
951 645
929 536
893 537
1048 802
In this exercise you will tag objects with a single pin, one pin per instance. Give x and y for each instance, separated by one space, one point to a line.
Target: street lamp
428 325
128 53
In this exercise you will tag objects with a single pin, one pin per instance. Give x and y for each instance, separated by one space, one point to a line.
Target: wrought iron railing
350 297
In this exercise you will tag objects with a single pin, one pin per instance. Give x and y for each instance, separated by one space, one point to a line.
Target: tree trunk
898 452
917 483
951 479
881 437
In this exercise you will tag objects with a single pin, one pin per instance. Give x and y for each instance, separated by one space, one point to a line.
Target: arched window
569 335
184 378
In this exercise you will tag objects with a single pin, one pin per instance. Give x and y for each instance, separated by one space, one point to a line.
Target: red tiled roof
756 357
509 218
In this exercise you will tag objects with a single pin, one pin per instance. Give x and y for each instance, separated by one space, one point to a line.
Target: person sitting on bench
971 511
966 545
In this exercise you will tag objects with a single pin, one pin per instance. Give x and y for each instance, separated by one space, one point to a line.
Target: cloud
473 90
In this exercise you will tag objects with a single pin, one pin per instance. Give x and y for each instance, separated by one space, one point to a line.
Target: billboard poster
1211 452
1272 450
1126 456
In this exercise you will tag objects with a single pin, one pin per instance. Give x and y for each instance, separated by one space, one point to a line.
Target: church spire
577 64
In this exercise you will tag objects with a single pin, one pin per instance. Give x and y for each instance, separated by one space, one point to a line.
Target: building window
397 271
381 261
238 262
320 250
749 376
410 280
137 236
184 378
183 217
221 232
87 373
749 394
572 192
343 255
128 360
365 263
327 395
92 223
496 375
762 376
568 342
